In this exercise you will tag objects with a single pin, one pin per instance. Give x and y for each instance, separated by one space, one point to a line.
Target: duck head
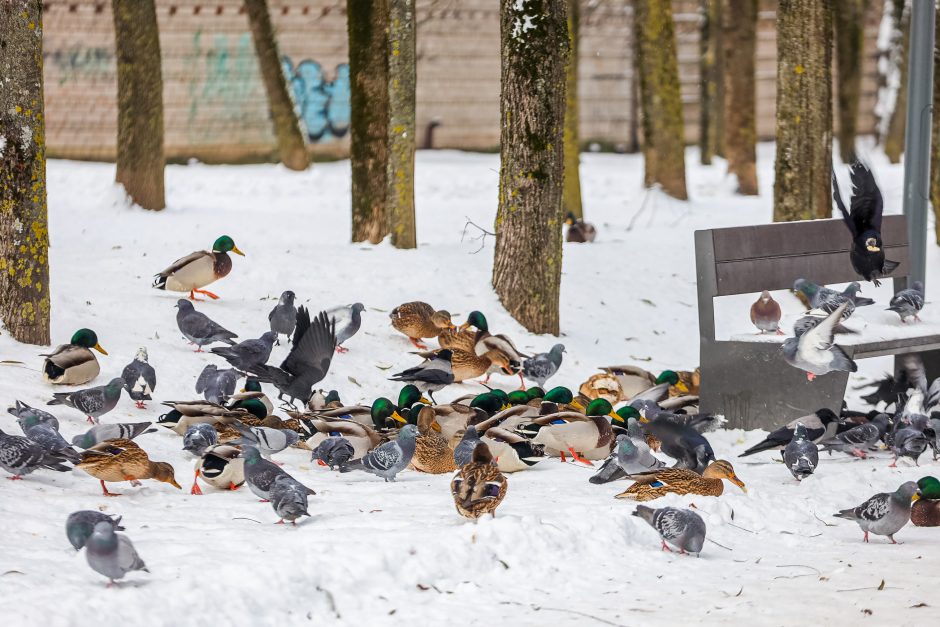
88 339
226 244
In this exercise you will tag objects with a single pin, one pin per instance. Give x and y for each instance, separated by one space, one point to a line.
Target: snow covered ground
560 551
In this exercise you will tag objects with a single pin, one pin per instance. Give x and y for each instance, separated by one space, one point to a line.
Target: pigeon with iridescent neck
81 524
112 554
908 303
93 402
886 513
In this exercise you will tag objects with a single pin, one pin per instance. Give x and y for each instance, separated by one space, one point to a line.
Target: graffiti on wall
322 104
221 79
80 64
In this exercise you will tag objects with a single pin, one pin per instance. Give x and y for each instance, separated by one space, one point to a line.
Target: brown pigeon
765 314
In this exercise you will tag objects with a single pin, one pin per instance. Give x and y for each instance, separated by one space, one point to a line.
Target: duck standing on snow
885 513
418 320
283 317
682 528
579 231
766 314
432 453
73 363
657 483
348 320
908 303
478 487
140 378
926 510
123 460
481 342
586 436
543 366
199 269
93 402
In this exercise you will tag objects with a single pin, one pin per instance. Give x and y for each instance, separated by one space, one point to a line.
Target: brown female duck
432 454
418 320
652 485
479 487
122 460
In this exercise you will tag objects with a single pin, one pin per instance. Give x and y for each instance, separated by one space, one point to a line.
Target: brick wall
215 106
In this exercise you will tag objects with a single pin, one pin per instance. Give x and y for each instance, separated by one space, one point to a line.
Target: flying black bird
308 361
864 222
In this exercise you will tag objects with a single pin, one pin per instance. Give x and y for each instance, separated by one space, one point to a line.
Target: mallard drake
324 400
187 413
635 381
559 399
478 487
123 460
925 512
432 454
199 269
362 437
579 231
512 452
221 467
251 390
483 341
652 485
586 436
453 417
382 414
418 320
73 363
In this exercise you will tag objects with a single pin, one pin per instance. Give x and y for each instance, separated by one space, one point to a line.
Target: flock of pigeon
480 438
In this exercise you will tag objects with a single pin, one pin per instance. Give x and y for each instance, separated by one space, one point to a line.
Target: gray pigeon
22 410
390 458
112 554
433 374
199 437
681 528
93 402
289 499
908 442
348 320
884 514
269 441
807 322
245 356
81 524
333 452
542 367
908 303
140 378
49 438
216 385
118 431
801 455
198 328
20 456
283 317
814 351
828 300
854 441
463 452
629 456
260 473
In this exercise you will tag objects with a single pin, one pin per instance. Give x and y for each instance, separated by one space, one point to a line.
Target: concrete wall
215 107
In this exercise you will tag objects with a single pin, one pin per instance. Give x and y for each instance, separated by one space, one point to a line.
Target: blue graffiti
322 105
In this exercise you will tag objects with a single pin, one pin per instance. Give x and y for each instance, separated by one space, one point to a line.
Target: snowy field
560 551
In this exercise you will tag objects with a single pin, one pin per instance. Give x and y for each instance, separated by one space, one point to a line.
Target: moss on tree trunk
140 158
367 22
738 44
571 196
804 110
894 138
401 129
290 139
935 136
657 66
711 88
849 22
24 226
527 260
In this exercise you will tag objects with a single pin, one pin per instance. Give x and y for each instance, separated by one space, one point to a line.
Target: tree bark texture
367 22
571 197
893 140
290 140
711 118
402 79
24 226
935 135
657 65
527 260
738 45
849 22
804 110
140 158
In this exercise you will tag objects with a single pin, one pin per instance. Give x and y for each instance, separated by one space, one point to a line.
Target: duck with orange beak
198 269
74 363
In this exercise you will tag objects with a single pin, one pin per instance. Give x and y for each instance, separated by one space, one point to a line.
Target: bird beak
98 348
505 370
398 418
873 249
916 497
734 479
237 252
682 387
644 420
436 426
425 401
242 391
464 326
173 483
615 416
505 406
574 403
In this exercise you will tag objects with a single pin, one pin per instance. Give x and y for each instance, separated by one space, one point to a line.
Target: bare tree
711 116
893 139
24 225
140 159
658 69
571 196
849 22
527 260
290 139
402 78
804 110
738 45
367 24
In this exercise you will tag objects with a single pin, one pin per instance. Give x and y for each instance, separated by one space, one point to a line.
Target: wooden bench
749 382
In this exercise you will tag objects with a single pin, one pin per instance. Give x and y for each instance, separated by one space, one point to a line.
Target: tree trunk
527 261
140 102
711 118
290 139
935 135
849 22
663 141
739 41
894 138
367 22
24 225
571 197
401 130
804 110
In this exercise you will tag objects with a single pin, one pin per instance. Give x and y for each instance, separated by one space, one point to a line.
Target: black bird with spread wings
863 220
308 361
